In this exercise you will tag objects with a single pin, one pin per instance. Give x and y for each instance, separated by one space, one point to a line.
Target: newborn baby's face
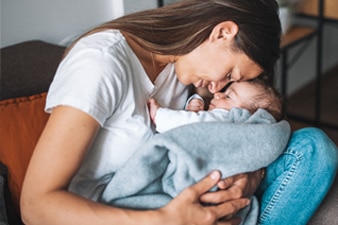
233 96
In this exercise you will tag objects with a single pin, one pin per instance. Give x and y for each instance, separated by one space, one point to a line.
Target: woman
99 116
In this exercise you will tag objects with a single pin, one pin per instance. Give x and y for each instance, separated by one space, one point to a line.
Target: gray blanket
180 157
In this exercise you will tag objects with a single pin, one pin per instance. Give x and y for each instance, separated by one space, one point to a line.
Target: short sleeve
90 80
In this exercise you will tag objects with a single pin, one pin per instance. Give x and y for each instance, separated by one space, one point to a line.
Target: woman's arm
58 155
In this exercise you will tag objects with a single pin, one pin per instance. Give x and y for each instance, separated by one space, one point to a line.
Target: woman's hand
187 208
235 187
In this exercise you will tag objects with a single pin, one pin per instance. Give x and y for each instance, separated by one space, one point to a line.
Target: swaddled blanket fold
180 157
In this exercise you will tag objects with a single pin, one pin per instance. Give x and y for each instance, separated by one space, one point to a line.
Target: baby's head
251 95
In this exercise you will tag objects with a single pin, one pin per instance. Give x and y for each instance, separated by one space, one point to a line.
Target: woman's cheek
186 78
183 79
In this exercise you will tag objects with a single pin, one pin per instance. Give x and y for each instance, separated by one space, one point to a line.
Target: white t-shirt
103 77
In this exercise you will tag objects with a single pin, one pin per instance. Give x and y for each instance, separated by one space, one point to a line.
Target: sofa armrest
3 212
28 68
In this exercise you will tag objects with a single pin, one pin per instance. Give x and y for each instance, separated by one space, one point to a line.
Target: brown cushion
28 68
21 123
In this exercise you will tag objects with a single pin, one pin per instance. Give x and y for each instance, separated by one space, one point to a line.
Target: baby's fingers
195 105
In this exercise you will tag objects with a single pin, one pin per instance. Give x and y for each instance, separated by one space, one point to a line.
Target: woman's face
214 65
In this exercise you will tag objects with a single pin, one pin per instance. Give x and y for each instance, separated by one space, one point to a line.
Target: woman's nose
217 86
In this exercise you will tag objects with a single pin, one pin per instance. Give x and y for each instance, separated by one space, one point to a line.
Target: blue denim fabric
297 182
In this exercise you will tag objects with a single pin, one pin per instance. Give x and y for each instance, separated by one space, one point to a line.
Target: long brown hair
179 28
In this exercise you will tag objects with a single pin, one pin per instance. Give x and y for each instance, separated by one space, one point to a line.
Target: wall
60 20
133 5
49 20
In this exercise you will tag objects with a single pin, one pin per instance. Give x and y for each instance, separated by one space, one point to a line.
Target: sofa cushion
28 68
22 121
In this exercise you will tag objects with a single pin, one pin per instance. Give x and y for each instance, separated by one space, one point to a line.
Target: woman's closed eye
225 87
229 76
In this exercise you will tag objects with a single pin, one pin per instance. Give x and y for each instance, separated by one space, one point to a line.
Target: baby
250 95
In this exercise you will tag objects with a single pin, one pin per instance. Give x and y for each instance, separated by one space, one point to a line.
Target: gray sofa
28 68
327 213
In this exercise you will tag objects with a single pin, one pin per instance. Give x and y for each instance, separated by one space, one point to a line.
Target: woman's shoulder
103 40
106 50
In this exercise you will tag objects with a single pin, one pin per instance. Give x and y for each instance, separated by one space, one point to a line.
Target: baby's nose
218 95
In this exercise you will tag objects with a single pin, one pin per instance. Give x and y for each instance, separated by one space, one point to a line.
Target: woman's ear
225 30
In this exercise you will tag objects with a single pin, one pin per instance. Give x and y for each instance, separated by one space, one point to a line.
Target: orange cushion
21 123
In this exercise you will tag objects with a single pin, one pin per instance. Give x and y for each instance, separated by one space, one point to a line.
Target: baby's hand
195 105
153 107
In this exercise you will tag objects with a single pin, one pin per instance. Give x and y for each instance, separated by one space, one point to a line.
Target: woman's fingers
234 192
233 221
188 209
208 182
234 187
225 183
194 192
230 208
223 208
